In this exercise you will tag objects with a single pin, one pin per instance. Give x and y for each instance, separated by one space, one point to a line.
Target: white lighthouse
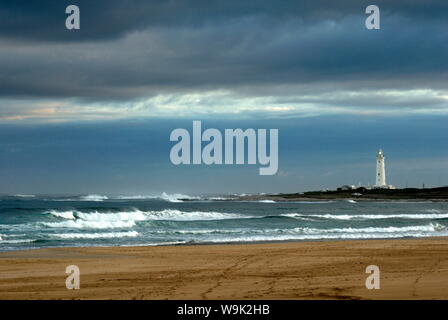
380 170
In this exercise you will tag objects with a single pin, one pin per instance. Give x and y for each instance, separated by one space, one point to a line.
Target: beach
409 269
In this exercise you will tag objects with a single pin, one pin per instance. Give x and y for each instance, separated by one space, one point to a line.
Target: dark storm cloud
128 50
224 57
248 63
44 20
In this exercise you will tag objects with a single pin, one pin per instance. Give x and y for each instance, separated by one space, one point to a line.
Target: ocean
29 222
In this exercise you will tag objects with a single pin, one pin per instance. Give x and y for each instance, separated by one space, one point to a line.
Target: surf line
234 147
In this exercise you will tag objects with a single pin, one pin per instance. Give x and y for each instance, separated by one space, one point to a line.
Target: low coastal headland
409 269
359 194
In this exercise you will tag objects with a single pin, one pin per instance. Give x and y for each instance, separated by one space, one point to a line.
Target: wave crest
107 235
366 216
176 197
93 197
126 219
83 224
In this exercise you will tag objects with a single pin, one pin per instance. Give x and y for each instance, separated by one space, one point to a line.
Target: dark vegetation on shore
361 193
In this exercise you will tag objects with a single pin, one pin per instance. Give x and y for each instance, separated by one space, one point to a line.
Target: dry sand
410 269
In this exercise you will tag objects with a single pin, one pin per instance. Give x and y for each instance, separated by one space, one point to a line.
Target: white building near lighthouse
380 181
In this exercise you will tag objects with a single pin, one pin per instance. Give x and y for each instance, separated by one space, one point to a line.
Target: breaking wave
83 224
136 215
107 235
432 227
17 241
218 198
425 228
138 197
176 197
337 233
177 215
291 237
114 222
8 241
93 197
312 201
128 219
365 216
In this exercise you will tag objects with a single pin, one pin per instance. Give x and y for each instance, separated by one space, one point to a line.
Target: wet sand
410 269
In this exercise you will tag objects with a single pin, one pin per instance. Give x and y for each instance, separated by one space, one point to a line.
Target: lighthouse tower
380 170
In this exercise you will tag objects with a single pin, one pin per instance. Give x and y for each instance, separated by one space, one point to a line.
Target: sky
91 110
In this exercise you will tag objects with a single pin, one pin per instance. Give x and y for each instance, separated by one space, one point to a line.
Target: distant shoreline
359 194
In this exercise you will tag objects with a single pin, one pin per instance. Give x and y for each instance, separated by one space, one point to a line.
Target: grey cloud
245 54
138 49
103 20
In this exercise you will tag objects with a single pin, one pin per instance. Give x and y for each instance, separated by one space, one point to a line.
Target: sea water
28 222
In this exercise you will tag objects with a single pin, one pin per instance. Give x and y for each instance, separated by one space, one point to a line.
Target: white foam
433 227
107 235
311 202
203 231
319 236
83 224
433 211
177 197
17 241
167 243
128 219
136 215
138 197
93 197
267 201
177 215
62 214
366 216
97 216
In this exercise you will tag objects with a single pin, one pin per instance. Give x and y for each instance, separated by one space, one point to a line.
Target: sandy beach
410 269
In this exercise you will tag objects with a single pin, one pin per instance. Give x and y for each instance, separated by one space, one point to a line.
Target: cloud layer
252 58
